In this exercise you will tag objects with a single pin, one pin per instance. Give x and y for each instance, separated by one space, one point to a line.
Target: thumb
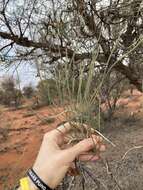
81 147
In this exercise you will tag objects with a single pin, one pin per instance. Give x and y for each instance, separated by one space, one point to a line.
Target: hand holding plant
53 162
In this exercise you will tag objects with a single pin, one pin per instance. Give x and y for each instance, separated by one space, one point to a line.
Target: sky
25 73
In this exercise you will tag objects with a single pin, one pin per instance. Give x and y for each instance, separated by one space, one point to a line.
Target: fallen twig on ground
133 148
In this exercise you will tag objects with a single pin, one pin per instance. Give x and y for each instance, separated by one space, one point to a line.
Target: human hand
53 162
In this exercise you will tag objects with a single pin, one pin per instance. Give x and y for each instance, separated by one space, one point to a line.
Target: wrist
39 179
31 184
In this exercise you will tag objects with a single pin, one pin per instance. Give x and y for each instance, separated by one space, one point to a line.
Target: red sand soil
20 138
21 135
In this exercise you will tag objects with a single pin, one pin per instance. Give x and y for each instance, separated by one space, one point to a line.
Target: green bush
47 91
9 94
1 96
28 91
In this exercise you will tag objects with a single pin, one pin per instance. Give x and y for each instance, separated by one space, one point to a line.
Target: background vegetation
86 52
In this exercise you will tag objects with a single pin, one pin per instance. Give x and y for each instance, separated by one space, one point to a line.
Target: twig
109 172
97 182
71 183
105 138
133 148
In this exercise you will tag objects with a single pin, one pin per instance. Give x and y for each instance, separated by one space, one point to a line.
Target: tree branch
53 48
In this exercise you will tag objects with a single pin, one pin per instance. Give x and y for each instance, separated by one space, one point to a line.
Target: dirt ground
121 167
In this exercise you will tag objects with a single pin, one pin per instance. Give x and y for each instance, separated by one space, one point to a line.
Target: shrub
17 97
1 96
9 94
28 91
47 91
111 91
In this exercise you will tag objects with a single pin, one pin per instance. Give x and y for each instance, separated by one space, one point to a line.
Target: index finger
63 129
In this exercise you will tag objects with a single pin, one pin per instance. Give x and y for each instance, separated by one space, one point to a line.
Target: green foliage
9 94
28 91
79 93
47 91
17 97
73 87
1 96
